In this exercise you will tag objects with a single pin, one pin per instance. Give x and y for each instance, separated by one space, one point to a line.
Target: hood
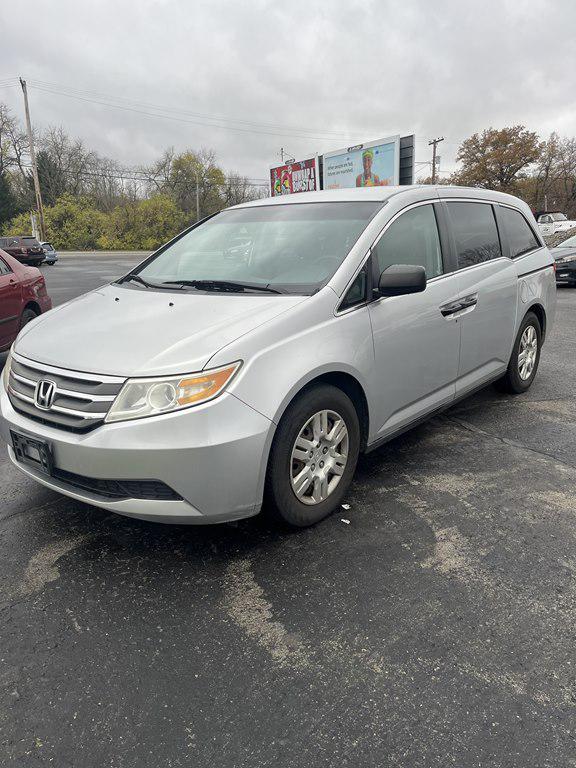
126 331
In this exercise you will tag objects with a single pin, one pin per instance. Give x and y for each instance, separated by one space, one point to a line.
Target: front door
416 339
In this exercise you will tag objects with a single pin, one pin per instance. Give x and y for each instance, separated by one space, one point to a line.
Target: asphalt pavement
430 623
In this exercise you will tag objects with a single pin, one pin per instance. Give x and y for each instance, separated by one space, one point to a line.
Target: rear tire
313 457
525 357
28 315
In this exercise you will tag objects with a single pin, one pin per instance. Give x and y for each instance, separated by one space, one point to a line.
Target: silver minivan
250 360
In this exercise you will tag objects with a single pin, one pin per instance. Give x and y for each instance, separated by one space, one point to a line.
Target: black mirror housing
401 279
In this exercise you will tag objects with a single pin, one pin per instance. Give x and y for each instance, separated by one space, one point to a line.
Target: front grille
118 489
81 401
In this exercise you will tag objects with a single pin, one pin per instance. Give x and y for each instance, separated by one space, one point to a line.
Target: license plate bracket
36 453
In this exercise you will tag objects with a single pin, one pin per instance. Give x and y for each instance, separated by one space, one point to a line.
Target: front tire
313 457
525 357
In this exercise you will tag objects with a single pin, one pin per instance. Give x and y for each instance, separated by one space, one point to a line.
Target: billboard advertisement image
375 164
301 176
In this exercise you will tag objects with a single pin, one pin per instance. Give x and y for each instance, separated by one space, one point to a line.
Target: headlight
149 397
6 371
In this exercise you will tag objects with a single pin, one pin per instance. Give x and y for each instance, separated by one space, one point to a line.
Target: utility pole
39 205
282 154
197 195
434 143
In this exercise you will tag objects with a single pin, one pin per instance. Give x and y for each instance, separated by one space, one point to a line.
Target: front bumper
213 456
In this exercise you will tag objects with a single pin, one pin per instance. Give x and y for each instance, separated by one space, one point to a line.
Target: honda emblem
44 395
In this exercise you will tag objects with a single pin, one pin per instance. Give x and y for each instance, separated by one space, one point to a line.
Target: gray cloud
364 69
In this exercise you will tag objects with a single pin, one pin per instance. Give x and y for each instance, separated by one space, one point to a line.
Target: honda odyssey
250 360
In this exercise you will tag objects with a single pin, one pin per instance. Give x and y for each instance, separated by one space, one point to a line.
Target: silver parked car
51 257
214 378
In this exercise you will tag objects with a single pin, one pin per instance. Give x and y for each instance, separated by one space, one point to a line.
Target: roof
384 193
331 195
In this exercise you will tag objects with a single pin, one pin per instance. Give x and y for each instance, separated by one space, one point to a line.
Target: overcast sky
307 76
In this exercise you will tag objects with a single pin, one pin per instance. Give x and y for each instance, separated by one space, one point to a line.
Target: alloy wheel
527 352
319 457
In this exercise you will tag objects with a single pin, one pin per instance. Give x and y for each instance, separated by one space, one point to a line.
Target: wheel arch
540 313
343 379
32 305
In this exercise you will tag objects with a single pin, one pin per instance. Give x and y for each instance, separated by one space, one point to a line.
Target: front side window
292 248
475 233
4 268
518 231
546 219
412 239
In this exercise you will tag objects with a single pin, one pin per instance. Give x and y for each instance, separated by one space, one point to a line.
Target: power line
87 93
176 113
157 115
143 178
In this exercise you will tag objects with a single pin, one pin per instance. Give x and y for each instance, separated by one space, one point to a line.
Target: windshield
558 216
570 242
294 248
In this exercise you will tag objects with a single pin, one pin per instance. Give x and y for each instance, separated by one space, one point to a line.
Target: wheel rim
527 352
319 457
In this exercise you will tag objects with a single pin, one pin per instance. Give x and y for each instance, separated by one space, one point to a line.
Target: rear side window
518 232
475 233
412 239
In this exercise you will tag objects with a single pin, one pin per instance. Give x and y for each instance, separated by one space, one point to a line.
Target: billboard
301 176
375 164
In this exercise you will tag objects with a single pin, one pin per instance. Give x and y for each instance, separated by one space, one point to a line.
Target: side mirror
400 279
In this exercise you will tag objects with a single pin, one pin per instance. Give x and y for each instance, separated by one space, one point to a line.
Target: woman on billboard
369 179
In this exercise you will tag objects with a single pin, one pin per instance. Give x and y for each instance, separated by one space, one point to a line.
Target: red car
22 297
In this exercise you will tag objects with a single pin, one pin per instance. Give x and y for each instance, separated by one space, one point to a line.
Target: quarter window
356 294
475 233
412 239
518 232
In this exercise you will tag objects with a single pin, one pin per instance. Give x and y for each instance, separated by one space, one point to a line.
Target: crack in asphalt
505 440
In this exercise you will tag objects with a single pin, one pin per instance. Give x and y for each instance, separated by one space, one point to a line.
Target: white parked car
552 222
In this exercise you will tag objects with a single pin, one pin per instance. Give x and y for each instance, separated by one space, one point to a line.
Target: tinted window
475 233
4 268
412 239
518 231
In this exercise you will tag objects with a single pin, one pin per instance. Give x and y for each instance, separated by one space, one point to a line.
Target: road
430 624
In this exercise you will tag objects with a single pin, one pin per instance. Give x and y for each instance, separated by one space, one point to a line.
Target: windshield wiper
222 285
138 279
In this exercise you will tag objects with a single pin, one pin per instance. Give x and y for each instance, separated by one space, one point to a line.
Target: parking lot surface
430 624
